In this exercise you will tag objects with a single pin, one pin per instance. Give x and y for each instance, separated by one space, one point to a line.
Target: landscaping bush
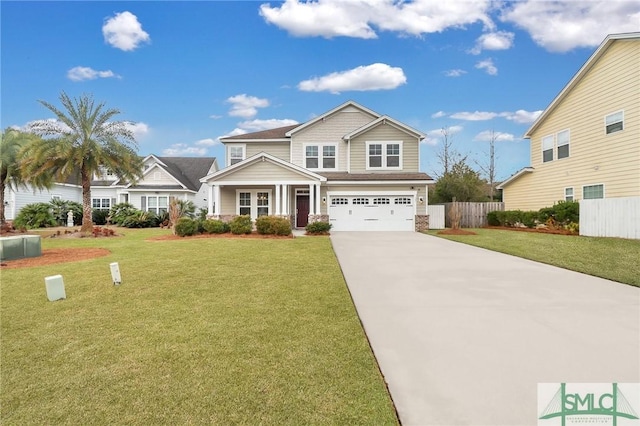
492 218
120 212
36 215
561 215
318 228
140 219
99 217
215 226
60 209
273 225
185 227
241 225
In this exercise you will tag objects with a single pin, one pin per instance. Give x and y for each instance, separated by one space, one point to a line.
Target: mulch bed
52 256
456 232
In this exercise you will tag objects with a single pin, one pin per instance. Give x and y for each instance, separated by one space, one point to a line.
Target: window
236 154
380 201
360 201
568 194
339 201
402 200
244 203
253 203
591 192
563 144
157 204
263 203
547 149
614 122
101 203
384 155
320 157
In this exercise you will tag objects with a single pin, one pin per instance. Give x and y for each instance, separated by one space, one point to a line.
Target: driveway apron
463 335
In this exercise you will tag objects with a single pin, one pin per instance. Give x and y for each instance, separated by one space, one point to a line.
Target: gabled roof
515 176
385 119
261 156
333 111
580 75
276 134
186 171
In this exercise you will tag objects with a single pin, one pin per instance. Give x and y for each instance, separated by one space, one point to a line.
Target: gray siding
277 149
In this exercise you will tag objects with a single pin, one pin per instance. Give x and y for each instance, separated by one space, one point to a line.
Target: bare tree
488 168
448 155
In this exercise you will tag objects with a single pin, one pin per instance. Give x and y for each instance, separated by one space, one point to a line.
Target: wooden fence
610 217
472 215
436 216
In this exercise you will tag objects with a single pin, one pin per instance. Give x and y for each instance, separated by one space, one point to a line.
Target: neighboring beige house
351 166
586 144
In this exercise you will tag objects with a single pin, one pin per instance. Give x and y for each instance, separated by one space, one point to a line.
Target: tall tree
461 182
489 167
447 155
83 140
12 145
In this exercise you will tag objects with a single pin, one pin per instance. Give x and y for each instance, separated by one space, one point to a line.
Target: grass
612 258
206 331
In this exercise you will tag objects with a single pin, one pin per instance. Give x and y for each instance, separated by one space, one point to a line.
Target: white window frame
606 124
243 147
567 195
384 155
567 143
254 201
101 203
552 148
591 185
156 209
320 156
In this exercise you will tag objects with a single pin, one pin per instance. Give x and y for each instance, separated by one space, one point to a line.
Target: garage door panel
362 212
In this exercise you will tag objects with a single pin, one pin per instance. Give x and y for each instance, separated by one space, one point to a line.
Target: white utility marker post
55 288
115 273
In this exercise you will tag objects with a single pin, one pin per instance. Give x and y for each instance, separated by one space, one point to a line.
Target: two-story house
586 144
350 166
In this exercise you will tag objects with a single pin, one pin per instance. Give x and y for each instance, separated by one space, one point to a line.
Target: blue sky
188 73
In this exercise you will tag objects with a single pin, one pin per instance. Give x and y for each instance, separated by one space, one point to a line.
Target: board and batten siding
611 85
384 133
277 149
330 130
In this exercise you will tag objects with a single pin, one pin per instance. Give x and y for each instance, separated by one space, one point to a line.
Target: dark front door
302 208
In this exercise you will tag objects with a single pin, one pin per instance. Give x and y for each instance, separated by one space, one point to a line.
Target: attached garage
372 212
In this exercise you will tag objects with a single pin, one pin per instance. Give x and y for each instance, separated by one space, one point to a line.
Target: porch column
216 199
285 200
210 201
318 211
312 205
278 189
426 197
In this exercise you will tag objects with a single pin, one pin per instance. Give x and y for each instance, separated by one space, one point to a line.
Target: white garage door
362 212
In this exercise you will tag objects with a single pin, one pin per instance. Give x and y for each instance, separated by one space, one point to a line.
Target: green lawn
202 331
612 258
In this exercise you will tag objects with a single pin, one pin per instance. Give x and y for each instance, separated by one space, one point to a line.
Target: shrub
529 219
36 215
140 219
186 227
215 226
99 217
573 227
492 218
318 228
241 225
60 209
120 212
567 212
273 225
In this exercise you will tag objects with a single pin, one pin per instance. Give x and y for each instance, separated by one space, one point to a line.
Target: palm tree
12 144
83 140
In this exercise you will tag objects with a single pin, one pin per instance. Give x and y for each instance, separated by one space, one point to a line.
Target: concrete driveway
463 335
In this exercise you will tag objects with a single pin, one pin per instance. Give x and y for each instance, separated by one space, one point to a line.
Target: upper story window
559 142
614 122
236 154
321 157
590 192
384 155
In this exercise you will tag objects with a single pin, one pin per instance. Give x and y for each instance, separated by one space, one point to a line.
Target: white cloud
139 129
563 26
246 106
207 142
181 149
486 136
124 32
488 66
363 78
521 116
335 18
499 40
86 73
439 114
454 73
474 116
215 117
434 136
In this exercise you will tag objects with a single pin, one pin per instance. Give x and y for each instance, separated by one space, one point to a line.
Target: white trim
573 193
148 171
384 155
380 182
558 143
328 113
253 208
553 147
320 146
228 152
231 141
604 194
515 176
385 119
605 122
